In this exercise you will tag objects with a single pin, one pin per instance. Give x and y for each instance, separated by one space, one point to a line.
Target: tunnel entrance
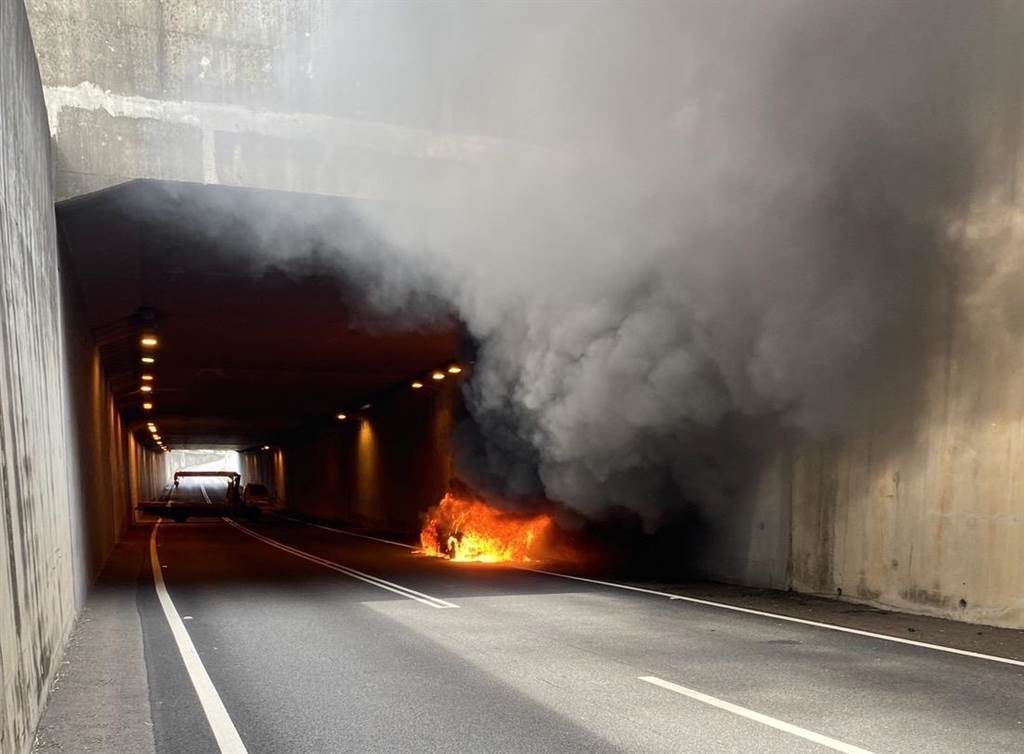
229 319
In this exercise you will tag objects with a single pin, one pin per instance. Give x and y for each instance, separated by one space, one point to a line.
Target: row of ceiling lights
148 343
437 375
146 386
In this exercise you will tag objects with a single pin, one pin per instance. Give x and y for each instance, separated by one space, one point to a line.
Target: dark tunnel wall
110 470
380 468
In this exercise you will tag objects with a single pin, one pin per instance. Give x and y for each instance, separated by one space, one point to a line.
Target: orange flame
469 530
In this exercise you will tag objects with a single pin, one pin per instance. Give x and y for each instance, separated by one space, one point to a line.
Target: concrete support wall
380 469
924 511
110 471
926 518
231 93
65 456
37 600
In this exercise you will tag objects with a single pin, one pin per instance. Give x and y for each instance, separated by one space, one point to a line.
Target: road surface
314 640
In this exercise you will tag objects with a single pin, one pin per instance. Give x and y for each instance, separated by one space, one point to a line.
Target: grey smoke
735 213
692 227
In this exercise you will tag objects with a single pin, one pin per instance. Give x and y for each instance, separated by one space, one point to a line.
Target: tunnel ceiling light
156 437
365 406
149 341
417 385
148 406
342 417
437 376
146 388
147 378
266 447
148 360
454 369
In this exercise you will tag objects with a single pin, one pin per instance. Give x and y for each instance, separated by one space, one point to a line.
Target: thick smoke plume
690 227
712 218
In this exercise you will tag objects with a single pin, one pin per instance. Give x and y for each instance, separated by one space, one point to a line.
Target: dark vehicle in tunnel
256 498
178 506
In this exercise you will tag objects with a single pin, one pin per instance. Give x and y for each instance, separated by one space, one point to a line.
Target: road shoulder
99 700
1001 642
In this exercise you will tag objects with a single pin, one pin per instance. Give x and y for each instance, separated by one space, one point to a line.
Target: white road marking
202 488
723 606
750 714
351 533
404 591
787 618
224 731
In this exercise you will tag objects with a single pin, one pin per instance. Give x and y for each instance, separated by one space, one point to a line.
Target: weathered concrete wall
37 600
229 92
64 452
925 511
380 469
749 543
927 518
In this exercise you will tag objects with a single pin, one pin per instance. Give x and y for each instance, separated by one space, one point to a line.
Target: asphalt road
200 490
321 656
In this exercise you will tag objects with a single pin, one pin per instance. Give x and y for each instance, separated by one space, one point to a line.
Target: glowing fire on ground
469 530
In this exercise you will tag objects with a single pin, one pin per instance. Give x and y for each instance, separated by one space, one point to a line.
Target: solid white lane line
750 714
224 731
351 533
202 488
787 618
376 581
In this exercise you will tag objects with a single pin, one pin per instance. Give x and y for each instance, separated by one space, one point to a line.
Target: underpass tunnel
202 334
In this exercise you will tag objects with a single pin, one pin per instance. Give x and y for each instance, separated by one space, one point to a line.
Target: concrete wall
379 469
230 92
37 599
65 457
927 517
110 471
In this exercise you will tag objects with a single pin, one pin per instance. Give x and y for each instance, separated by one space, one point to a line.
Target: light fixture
156 437
149 341
151 426
342 417
454 369
146 388
147 378
265 447
148 360
417 385
365 406
148 406
437 376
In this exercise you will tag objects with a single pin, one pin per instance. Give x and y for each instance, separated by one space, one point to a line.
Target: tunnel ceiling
251 348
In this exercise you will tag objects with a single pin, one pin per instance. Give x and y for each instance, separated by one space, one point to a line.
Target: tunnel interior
219 319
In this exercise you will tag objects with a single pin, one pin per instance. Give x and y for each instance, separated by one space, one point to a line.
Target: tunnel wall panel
379 470
68 467
37 594
923 510
925 518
